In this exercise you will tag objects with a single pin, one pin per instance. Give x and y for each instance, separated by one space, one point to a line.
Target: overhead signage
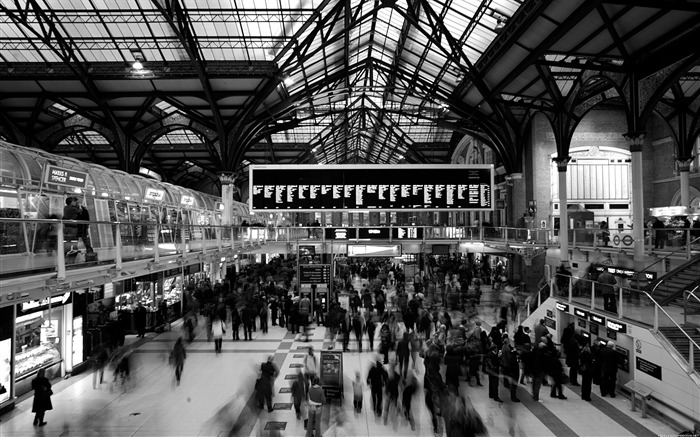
65 177
187 200
668 211
437 187
373 233
314 273
33 305
625 272
581 313
406 233
562 307
597 319
154 194
616 326
371 250
648 367
340 233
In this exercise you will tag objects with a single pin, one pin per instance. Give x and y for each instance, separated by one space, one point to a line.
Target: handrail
687 294
684 248
657 308
528 301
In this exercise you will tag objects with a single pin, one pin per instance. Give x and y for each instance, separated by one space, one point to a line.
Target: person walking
606 287
268 373
177 357
316 401
357 390
300 390
377 379
218 330
403 352
310 365
235 324
42 397
358 326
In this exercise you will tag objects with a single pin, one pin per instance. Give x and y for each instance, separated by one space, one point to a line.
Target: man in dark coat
609 360
377 379
140 320
403 352
264 385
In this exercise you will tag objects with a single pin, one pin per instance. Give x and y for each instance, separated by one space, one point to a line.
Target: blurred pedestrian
300 390
357 389
268 373
377 378
218 330
310 364
316 400
177 358
42 397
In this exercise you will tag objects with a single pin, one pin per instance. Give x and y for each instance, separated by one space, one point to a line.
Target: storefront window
5 357
37 340
77 340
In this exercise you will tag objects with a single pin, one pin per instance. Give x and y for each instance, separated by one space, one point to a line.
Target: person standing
316 400
248 317
177 357
218 330
357 389
140 314
358 325
585 360
493 362
606 287
304 314
42 397
235 324
572 350
511 371
609 359
659 233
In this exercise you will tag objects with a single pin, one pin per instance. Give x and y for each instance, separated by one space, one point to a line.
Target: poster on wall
5 357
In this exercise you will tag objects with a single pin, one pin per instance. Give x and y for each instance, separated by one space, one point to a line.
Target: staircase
680 342
668 290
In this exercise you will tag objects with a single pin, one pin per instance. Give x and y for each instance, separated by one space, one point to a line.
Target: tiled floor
215 399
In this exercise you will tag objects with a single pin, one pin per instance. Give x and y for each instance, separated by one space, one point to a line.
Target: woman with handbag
42 397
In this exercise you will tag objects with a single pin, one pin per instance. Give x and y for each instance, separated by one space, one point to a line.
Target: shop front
43 339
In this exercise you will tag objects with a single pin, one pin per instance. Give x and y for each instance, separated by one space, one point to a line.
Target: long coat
42 396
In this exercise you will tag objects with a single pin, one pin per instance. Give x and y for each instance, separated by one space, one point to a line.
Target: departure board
314 273
371 187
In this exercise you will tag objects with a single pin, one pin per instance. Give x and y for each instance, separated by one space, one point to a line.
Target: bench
644 393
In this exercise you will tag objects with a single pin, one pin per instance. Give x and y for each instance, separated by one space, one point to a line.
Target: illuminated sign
370 233
405 233
220 206
436 187
153 194
187 200
562 307
55 300
625 272
581 313
370 250
340 233
597 319
617 326
65 177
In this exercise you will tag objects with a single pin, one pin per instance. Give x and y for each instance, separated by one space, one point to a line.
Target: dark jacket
42 395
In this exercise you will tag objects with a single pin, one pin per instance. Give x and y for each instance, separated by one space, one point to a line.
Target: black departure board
314 273
371 187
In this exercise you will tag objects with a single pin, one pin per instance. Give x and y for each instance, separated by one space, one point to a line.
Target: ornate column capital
635 140
227 177
561 162
684 164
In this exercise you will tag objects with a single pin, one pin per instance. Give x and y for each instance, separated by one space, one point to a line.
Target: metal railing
631 304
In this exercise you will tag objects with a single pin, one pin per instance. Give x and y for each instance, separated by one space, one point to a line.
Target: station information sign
371 187
314 273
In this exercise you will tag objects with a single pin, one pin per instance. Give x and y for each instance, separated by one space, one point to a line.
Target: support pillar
563 207
636 144
684 168
227 179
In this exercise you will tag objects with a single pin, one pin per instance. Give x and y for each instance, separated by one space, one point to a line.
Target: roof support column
636 144
563 213
684 168
227 179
